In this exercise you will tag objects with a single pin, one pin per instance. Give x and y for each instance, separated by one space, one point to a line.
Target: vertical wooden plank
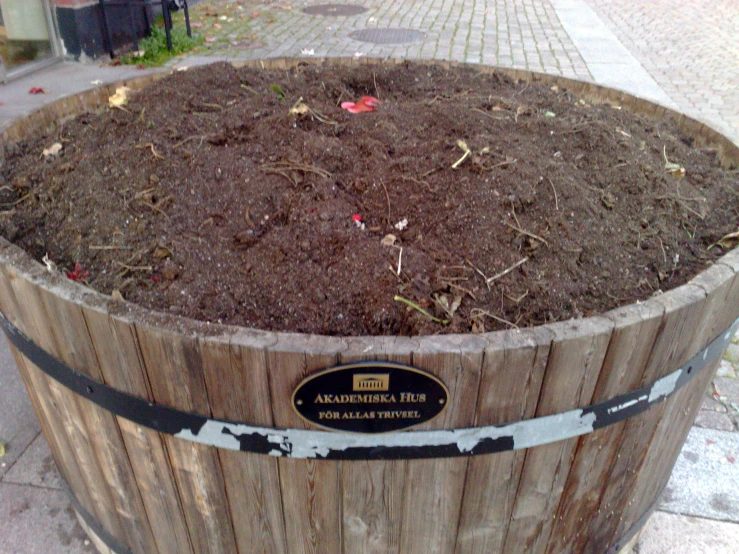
50 424
372 491
574 363
433 487
114 338
66 411
235 370
311 494
680 411
683 310
726 318
512 374
174 368
69 328
635 329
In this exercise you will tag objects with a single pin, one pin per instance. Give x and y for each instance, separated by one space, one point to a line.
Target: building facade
36 33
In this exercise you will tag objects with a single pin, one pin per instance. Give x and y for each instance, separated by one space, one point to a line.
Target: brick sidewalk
689 47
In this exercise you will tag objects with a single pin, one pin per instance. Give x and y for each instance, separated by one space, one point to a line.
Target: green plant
154 47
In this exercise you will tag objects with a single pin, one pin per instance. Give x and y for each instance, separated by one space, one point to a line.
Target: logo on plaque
367 382
370 397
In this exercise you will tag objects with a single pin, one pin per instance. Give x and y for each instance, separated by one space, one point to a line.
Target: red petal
370 101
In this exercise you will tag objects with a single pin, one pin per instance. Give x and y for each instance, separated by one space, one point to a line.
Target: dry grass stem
506 271
527 233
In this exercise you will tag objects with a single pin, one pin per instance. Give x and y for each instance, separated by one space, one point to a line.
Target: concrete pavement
679 54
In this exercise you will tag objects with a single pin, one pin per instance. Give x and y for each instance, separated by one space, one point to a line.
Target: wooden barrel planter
177 436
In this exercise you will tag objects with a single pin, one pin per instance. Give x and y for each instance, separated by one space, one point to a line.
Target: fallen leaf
37 90
209 39
366 104
117 294
550 114
2 449
217 25
161 252
79 273
196 25
730 459
299 108
52 150
120 98
388 240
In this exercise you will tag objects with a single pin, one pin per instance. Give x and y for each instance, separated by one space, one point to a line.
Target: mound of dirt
462 203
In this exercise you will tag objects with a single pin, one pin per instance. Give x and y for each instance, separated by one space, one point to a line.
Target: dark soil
205 198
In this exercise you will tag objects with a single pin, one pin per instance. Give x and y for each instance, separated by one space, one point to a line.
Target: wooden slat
683 311
372 491
433 487
573 367
174 369
680 411
311 494
66 411
104 435
631 343
235 370
114 338
512 374
50 424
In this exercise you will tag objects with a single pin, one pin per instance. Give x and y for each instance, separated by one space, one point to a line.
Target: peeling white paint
211 433
301 443
664 386
627 404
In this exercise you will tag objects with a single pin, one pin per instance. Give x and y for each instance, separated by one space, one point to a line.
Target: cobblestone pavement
524 34
689 47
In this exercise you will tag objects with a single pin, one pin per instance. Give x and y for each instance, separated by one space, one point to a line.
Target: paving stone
35 467
704 480
726 369
18 423
666 533
39 521
727 388
710 419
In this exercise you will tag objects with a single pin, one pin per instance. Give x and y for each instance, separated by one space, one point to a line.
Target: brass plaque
370 397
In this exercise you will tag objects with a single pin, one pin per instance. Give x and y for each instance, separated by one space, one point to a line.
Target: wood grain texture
680 411
631 343
116 345
65 411
174 369
50 425
573 367
77 350
683 308
372 491
512 374
434 487
235 370
311 494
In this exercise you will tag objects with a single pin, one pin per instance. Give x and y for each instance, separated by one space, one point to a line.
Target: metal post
167 23
187 20
106 30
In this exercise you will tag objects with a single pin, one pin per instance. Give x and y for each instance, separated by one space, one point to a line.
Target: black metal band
301 443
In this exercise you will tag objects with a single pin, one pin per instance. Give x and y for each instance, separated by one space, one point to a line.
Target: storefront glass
25 35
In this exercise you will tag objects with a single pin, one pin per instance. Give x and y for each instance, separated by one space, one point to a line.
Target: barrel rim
20 262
